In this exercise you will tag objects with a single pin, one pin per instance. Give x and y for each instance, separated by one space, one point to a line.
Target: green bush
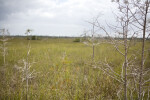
76 40
34 38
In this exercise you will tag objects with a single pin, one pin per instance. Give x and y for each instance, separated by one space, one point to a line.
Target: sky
53 17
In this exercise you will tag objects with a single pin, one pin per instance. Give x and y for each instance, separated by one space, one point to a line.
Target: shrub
76 40
34 37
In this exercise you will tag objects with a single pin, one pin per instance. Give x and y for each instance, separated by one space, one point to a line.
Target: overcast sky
53 17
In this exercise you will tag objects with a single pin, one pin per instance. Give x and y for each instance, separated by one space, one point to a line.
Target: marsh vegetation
63 70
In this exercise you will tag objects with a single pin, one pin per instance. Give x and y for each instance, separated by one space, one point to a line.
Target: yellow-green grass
59 77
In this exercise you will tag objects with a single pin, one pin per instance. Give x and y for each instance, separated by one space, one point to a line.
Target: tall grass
64 69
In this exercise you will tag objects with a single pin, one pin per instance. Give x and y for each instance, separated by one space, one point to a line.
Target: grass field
63 70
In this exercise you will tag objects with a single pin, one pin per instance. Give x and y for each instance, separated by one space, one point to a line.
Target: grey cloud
8 7
47 16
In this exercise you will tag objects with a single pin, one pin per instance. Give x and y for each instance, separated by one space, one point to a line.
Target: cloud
52 17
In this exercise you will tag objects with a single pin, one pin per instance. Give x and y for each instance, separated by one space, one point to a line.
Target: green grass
71 78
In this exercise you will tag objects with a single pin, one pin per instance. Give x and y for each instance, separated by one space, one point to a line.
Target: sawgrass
64 70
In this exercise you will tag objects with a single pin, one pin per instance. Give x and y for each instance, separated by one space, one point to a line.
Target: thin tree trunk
125 30
93 46
125 73
27 69
93 51
143 48
4 52
142 65
4 46
27 79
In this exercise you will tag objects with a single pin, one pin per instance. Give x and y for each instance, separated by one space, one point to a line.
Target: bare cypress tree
25 70
135 17
27 65
124 31
92 37
4 40
143 25
145 14
28 74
